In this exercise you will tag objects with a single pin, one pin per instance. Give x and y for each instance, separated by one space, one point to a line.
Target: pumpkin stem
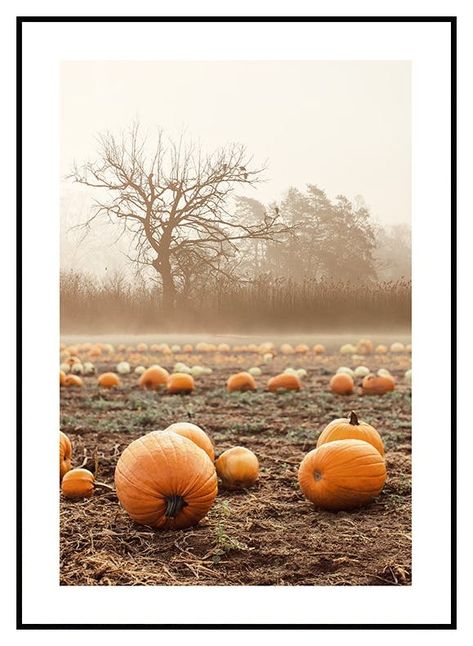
174 505
354 419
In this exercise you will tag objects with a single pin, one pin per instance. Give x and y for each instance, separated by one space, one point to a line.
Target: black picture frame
20 625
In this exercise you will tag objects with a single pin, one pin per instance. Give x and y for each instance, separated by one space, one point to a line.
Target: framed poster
222 239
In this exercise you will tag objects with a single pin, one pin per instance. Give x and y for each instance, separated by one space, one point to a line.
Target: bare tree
174 202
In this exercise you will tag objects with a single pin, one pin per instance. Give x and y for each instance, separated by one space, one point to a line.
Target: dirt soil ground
267 535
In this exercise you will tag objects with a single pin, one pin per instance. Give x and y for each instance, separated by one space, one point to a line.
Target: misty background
333 142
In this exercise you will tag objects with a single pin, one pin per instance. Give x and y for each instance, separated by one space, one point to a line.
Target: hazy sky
344 126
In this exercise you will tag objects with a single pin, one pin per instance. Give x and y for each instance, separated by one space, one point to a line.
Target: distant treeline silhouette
90 305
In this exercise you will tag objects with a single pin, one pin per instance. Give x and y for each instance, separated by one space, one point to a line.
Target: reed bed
101 306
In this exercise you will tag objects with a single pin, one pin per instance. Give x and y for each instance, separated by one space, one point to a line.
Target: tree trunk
163 267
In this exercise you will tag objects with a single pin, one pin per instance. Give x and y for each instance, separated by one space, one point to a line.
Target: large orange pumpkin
164 480
108 380
195 434
376 385
154 377
237 467
351 429
180 383
72 381
78 483
342 475
65 454
240 382
341 384
284 381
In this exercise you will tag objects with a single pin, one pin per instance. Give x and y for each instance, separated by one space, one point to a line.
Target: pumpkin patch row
168 479
95 351
155 378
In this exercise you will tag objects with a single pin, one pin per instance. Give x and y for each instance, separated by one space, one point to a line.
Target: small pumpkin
180 383
108 380
187 348
286 348
342 384
284 382
365 346
255 371
165 481
361 371
344 370
142 347
238 468
95 352
343 474
241 381
78 483
376 385
195 434
381 349
77 369
347 348
62 377
408 376
397 347
65 455
123 368
302 348
319 348
73 381
351 429
154 378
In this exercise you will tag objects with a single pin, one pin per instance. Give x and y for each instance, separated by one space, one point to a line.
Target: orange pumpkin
240 382
108 380
237 467
164 480
351 429
65 455
365 346
376 385
180 383
73 381
381 349
142 347
342 384
287 348
78 483
62 377
284 381
195 434
342 474
302 348
95 352
187 348
154 377
319 348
